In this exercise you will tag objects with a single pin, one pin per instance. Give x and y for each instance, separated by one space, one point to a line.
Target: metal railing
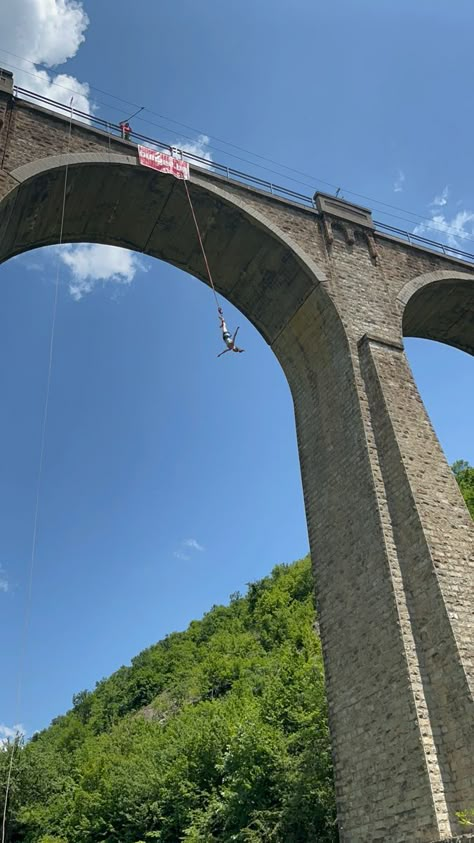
414 239
222 169
266 186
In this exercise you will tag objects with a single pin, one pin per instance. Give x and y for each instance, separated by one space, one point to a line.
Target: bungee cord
23 648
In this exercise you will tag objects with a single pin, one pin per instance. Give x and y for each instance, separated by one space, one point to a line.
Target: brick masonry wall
464 838
390 537
36 133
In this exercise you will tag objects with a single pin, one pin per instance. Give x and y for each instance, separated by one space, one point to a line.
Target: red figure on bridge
125 130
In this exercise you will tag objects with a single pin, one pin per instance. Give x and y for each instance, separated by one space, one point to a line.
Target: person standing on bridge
125 130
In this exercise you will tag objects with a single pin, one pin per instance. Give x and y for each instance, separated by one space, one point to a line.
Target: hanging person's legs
234 347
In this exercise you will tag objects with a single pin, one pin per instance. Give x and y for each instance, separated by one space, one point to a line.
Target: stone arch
440 306
111 199
256 266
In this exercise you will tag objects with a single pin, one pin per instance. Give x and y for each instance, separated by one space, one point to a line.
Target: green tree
464 474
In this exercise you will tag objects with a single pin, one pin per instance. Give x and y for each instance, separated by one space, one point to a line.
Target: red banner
162 162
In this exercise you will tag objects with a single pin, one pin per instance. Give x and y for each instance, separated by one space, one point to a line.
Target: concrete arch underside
440 306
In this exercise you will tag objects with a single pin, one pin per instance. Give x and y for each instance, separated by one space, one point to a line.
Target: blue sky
171 479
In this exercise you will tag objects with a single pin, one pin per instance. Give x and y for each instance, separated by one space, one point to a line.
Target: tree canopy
217 733
464 474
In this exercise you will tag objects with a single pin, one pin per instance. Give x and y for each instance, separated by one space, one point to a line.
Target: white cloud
185 547
60 88
193 544
399 182
91 264
185 148
7 733
442 199
180 555
4 584
450 231
447 229
46 32
198 147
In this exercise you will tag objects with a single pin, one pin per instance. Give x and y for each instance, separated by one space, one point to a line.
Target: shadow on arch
112 200
440 306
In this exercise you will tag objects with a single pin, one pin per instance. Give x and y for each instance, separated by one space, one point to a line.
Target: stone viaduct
390 536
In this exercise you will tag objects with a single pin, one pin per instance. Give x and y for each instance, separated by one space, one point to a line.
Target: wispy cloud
399 182
185 149
184 551
4 584
442 199
91 264
47 33
178 554
8 733
451 230
199 147
192 543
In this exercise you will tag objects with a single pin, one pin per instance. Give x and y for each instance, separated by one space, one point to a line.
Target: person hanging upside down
227 337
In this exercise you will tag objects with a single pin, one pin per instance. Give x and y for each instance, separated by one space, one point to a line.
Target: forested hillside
215 734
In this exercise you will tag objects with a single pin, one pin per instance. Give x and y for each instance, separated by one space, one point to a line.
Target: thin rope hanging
206 262
16 740
227 337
